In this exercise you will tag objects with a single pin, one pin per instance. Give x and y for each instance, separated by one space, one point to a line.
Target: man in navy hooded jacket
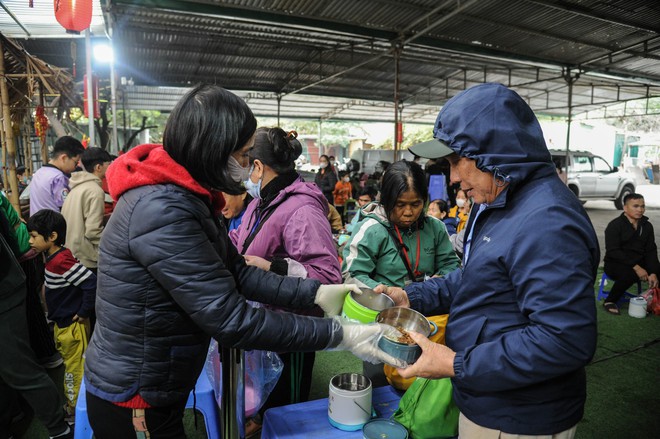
522 316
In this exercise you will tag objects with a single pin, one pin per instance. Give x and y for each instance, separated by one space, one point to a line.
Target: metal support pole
123 113
114 146
90 92
279 101
321 149
233 385
569 80
397 57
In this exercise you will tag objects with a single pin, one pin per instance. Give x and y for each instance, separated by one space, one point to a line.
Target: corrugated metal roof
335 59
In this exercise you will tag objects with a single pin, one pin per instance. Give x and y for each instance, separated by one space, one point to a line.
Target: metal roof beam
329 26
259 16
575 9
534 32
339 109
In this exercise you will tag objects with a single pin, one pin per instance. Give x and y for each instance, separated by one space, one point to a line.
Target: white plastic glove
362 341
331 297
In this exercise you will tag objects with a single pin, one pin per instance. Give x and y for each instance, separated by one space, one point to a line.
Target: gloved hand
331 297
362 341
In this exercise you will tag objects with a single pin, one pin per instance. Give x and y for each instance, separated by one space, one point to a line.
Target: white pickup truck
590 177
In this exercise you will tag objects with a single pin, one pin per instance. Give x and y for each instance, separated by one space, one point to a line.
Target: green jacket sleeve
361 252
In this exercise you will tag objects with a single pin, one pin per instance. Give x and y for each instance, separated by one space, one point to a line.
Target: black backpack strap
255 232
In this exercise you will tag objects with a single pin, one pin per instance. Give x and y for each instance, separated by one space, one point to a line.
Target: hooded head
494 126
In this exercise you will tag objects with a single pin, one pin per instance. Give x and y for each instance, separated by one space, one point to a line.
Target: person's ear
53 237
98 167
258 169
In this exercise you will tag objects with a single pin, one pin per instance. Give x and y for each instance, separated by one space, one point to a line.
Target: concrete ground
602 212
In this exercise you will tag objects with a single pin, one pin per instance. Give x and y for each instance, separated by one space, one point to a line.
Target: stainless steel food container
408 319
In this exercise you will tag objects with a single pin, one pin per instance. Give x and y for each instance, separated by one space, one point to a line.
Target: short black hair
276 148
369 191
205 127
94 156
633 196
67 145
20 169
400 177
47 221
442 205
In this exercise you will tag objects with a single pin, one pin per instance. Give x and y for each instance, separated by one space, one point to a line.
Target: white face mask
460 202
323 165
254 189
237 172
346 179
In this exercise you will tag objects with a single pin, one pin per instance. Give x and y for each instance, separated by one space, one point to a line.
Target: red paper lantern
74 15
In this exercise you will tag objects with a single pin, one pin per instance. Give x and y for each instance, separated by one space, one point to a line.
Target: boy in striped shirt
70 295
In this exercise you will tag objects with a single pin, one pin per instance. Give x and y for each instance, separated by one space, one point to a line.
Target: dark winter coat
522 317
169 279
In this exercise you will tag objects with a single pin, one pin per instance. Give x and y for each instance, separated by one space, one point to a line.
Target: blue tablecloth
310 419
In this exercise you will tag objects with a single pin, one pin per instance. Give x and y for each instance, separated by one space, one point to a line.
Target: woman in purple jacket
285 230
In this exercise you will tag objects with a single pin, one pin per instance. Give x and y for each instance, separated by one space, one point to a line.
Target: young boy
84 207
343 191
70 295
50 184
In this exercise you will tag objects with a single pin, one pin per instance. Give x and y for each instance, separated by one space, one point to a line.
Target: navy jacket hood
494 126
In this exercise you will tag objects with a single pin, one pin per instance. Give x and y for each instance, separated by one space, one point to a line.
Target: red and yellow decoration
41 123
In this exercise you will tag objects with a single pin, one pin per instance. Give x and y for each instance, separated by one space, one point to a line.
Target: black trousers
624 277
21 374
41 336
109 421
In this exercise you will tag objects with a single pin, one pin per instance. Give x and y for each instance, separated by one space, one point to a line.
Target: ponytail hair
276 148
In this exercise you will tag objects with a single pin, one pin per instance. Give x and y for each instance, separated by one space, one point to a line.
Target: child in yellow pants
71 341
70 295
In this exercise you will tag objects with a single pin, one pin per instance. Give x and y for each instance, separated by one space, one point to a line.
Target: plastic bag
428 411
652 297
262 371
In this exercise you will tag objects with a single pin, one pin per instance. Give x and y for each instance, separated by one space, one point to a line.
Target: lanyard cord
405 253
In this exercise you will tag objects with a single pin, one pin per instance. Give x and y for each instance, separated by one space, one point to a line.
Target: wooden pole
27 145
9 149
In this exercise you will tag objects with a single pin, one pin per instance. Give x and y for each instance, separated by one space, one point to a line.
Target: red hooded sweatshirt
150 164
147 165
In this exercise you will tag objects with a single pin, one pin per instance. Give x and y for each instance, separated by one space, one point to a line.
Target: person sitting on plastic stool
631 253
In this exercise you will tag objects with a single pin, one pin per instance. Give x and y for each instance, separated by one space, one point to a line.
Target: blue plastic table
310 419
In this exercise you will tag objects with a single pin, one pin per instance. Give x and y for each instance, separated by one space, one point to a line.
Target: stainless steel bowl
408 319
372 300
405 318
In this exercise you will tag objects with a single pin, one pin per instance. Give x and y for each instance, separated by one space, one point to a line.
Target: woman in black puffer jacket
169 279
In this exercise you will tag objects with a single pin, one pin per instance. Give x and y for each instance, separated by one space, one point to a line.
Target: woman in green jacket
395 243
